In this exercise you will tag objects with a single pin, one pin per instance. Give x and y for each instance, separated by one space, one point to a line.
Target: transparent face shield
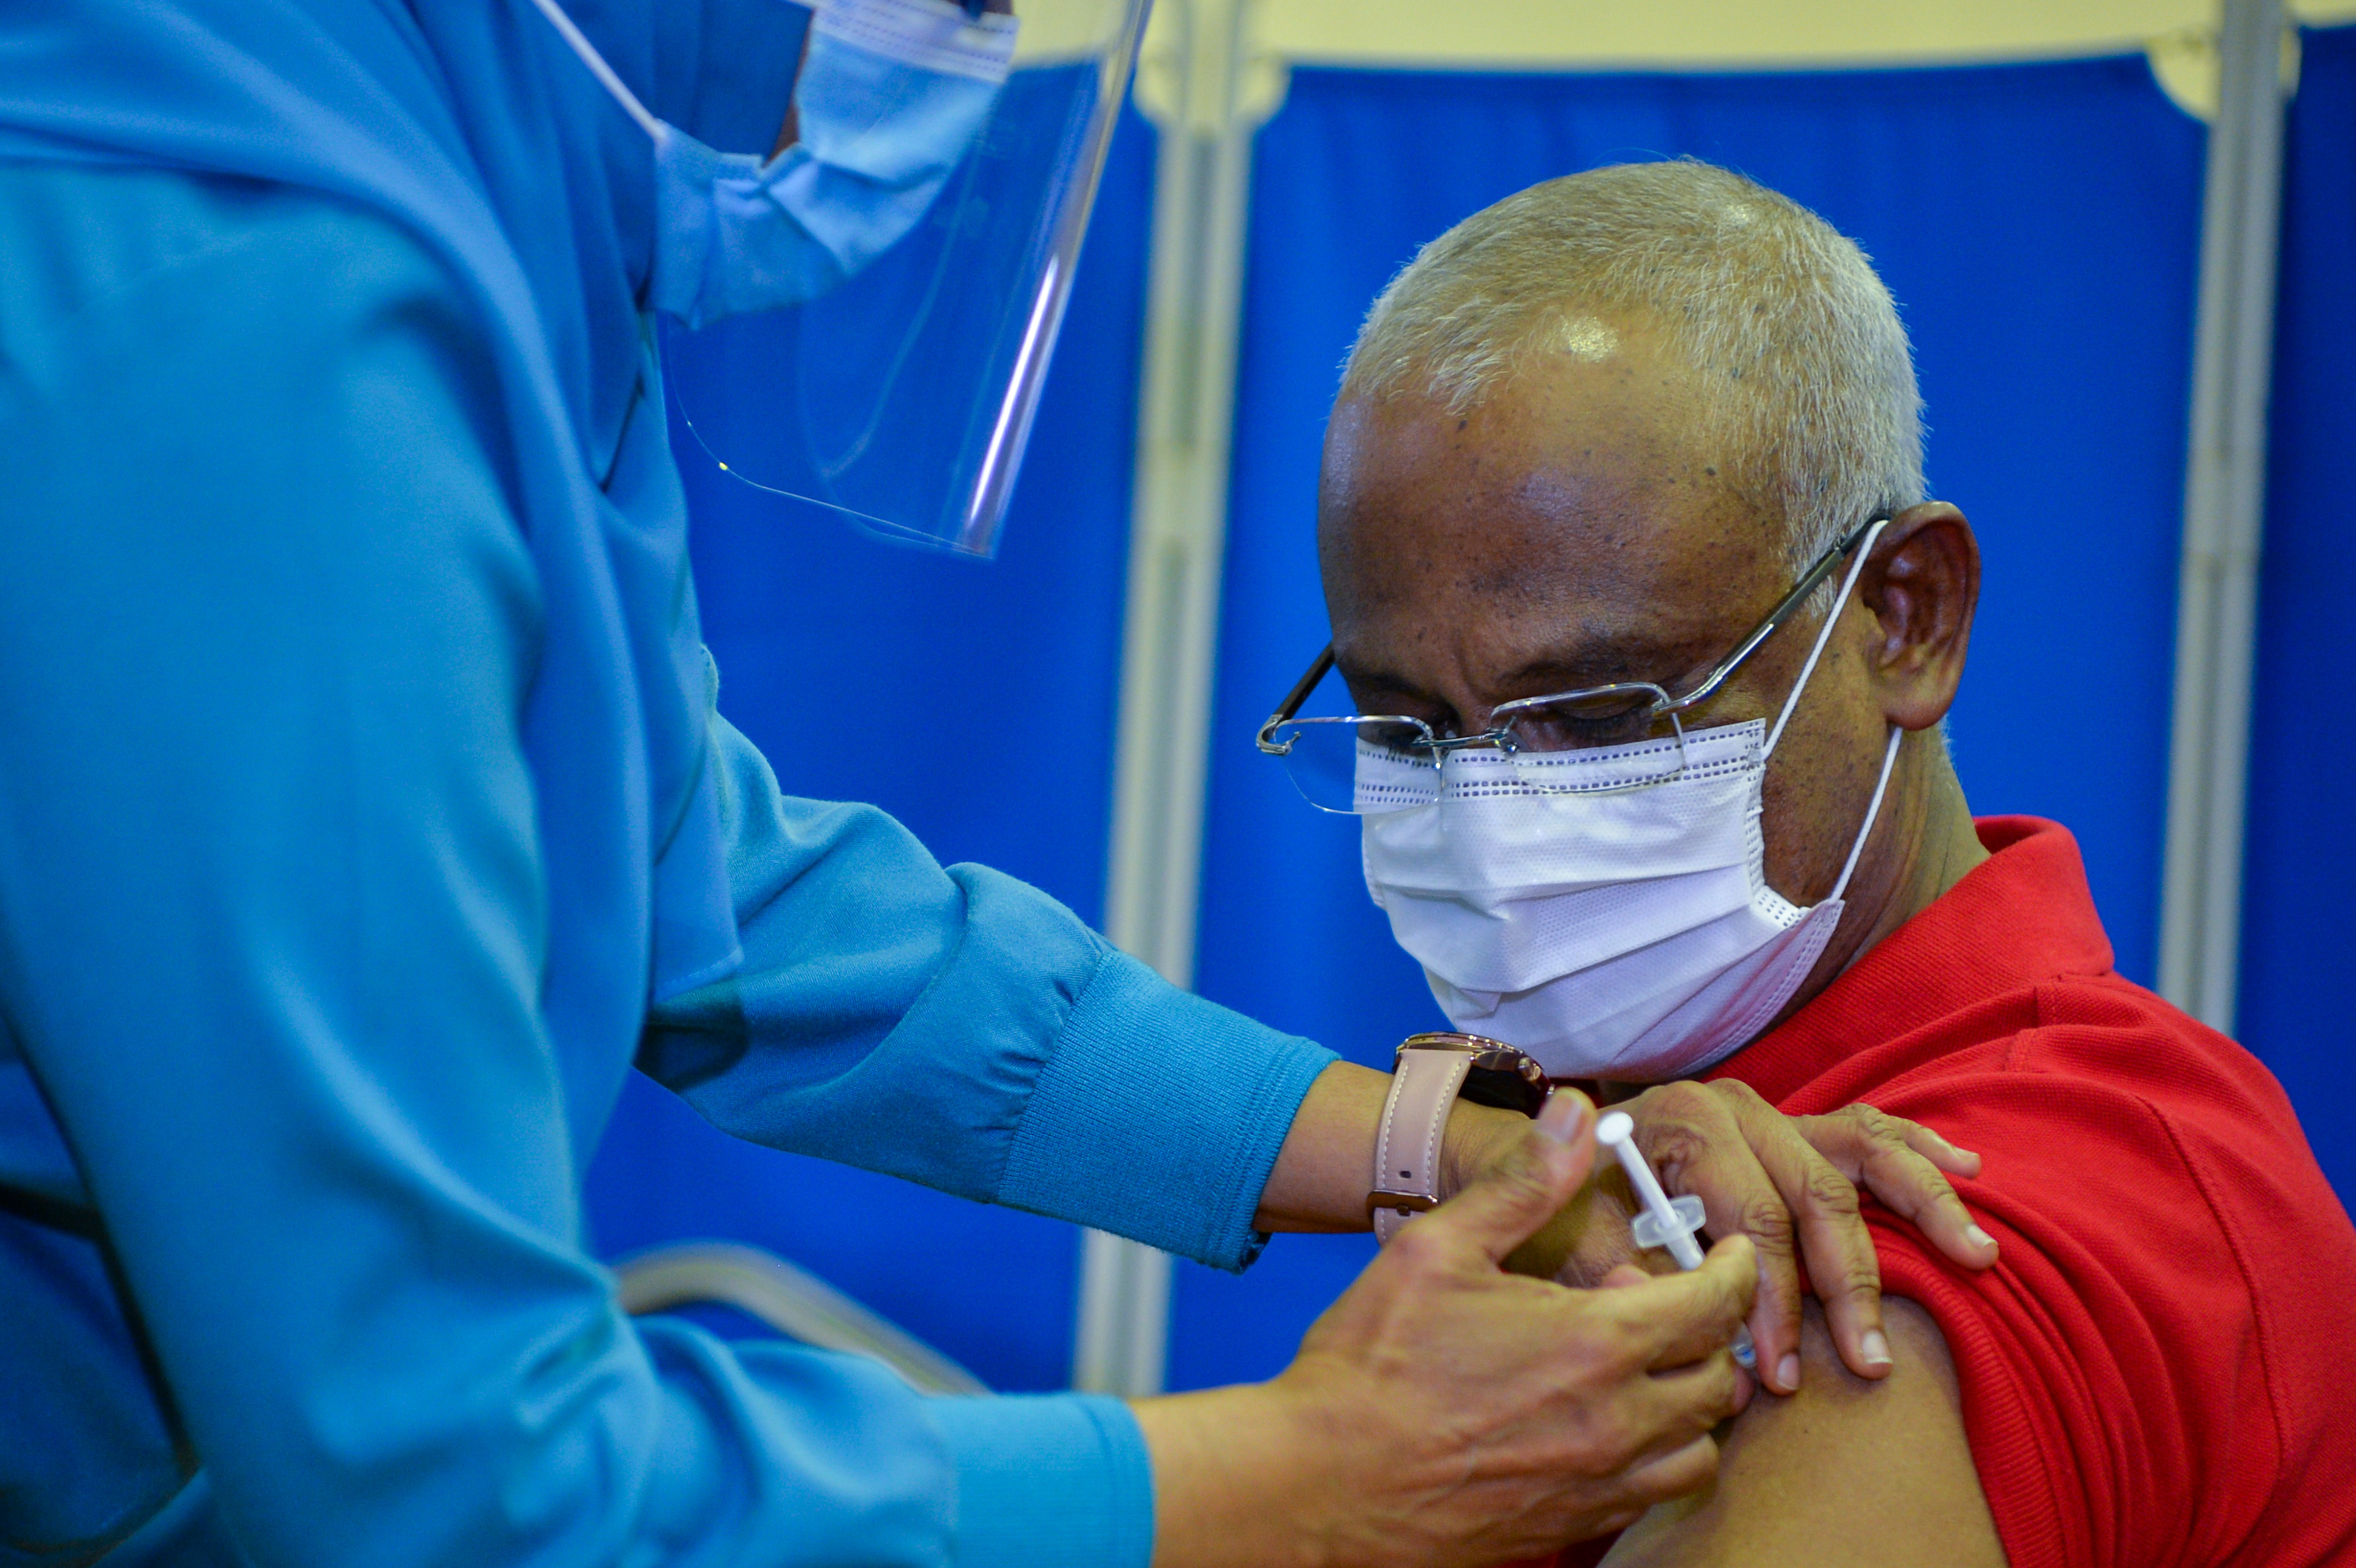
901 399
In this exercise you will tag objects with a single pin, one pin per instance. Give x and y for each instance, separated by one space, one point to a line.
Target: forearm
1326 1166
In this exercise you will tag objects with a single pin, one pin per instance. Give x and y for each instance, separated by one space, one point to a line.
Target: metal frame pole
2224 507
1199 88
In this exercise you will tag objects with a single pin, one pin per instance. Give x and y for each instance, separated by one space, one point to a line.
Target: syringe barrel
1616 1132
1670 1224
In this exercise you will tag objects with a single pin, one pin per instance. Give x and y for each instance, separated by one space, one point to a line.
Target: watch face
1506 1079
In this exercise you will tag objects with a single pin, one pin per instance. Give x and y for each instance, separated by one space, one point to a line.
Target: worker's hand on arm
1790 1184
1445 1411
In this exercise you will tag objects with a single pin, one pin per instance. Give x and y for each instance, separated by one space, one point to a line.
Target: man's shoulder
2127 1129
2109 1062
2110 1032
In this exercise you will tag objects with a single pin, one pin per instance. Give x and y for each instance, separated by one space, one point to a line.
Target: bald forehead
1581 517
1516 497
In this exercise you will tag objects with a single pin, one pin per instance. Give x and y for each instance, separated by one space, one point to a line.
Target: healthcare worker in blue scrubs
365 814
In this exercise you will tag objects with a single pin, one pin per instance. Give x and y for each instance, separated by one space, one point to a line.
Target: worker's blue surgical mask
883 122
890 97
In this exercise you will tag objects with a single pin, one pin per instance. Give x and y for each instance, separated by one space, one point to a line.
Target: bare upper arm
1844 1471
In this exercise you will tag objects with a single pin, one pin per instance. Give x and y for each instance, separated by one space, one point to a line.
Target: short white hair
1799 342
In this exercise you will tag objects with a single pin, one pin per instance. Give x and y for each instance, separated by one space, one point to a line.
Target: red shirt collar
2022 917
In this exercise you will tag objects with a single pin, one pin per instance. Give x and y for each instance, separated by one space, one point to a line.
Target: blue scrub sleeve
961 1029
273 930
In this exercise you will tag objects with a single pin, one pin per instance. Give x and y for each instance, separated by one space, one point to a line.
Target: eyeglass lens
1589 747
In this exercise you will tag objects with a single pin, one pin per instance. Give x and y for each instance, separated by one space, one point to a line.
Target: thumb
1506 1205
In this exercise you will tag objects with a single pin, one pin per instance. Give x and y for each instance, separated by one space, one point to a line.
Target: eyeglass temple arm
1298 695
1726 667
1807 585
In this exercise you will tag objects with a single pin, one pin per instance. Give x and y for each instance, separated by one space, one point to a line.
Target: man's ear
1922 583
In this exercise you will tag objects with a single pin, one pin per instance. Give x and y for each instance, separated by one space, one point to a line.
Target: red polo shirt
2161 1367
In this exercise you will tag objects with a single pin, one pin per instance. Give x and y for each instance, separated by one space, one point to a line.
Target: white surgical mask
1625 934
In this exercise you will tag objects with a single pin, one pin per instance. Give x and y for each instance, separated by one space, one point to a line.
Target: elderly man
1648 632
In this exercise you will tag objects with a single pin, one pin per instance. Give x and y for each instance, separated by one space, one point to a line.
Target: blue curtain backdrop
975 702
2301 843
2039 227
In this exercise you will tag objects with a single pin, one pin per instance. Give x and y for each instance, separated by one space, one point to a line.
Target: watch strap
1425 1081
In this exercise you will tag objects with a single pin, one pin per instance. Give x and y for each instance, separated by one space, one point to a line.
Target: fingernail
1563 1116
1875 1348
1787 1373
1978 1237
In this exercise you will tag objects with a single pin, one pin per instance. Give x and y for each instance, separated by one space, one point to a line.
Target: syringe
1663 1223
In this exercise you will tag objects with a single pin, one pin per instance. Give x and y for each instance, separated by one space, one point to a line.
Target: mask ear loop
1823 635
1888 752
611 83
1889 761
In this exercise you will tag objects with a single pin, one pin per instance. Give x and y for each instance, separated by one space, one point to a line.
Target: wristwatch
1429 1074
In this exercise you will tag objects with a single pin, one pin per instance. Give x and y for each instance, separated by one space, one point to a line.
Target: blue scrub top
321 961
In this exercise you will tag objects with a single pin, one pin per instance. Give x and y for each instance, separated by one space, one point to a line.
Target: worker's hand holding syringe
1444 1413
